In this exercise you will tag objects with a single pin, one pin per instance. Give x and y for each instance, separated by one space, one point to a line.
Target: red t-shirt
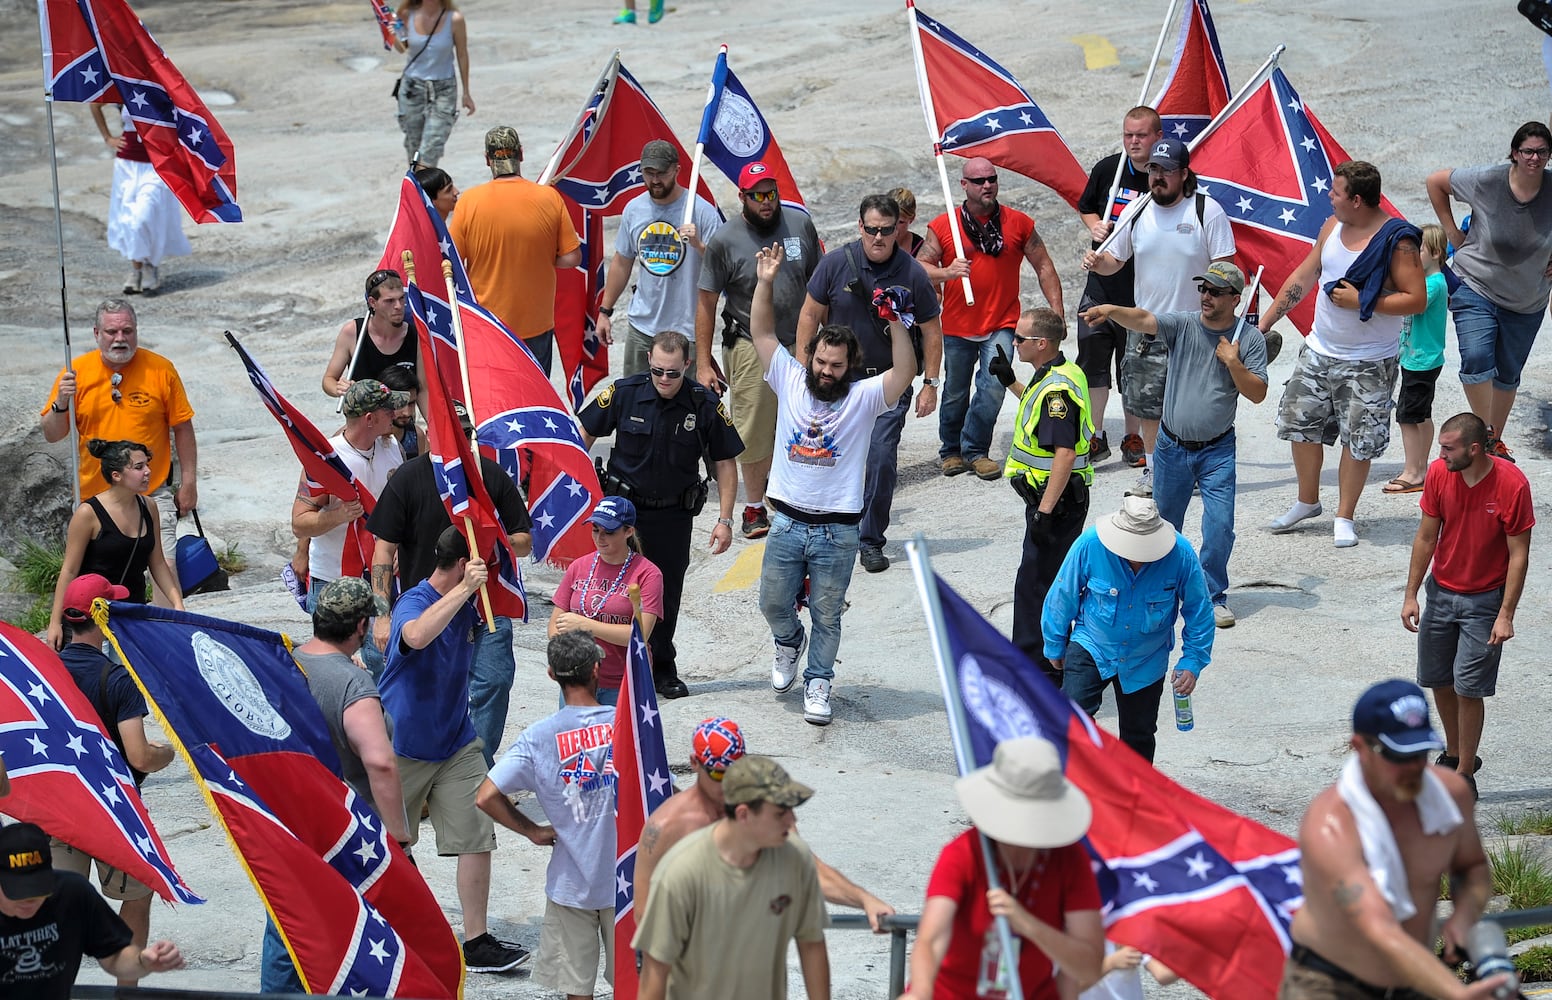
994 280
602 593
1066 884
1473 552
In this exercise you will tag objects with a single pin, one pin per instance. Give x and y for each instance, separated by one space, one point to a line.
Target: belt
1307 958
1194 445
811 516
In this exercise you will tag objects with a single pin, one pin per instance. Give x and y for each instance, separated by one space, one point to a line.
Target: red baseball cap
718 742
752 174
83 590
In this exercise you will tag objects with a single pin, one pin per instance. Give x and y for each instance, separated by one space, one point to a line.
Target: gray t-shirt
1199 397
728 268
567 762
336 683
1504 257
666 301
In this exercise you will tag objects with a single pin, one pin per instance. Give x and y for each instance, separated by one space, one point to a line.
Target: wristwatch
55 407
932 383
606 310
728 521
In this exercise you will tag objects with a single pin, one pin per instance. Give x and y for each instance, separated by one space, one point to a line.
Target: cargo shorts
1143 370
1328 399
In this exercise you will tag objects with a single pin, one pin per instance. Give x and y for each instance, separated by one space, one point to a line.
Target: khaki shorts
449 786
1143 371
1327 400
753 402
1303 983
115 884
568 949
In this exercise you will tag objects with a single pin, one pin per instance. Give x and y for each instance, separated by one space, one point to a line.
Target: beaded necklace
598 601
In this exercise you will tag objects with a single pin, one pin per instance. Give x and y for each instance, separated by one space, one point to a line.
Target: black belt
1307 958
813 517
1194 445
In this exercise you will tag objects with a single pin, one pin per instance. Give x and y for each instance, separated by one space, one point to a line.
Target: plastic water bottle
1183 717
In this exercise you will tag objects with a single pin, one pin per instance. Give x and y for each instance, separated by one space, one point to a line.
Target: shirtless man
1352 940
718 742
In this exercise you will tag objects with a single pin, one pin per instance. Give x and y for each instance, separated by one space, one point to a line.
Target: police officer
664 422
1048 466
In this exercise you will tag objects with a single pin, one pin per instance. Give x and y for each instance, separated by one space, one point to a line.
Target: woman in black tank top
115 534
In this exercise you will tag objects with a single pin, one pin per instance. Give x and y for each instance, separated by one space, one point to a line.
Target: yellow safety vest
1027 457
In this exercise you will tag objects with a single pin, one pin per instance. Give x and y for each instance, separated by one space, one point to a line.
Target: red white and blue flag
356 915
1198 84
735 134
1269 164
981 110
67 776
325 471
642 783
523 423
387 23
97 51
1182 877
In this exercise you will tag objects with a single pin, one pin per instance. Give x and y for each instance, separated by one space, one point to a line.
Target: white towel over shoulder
1436 809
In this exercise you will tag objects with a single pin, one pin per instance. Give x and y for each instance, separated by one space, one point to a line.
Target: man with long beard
824 422
728 272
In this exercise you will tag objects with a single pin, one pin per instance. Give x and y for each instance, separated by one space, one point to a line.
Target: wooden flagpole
937 146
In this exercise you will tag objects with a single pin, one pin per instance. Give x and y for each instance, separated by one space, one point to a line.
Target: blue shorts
1494 341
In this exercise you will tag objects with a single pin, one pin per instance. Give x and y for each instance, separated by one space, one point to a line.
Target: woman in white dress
145 221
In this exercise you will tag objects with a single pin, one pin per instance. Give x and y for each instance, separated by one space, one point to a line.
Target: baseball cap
659 154
1171 154
752 174
1224 275
503 149
718 742
26 862
613 513
1395 712
760 779
464 420
85 589
369 395
345 601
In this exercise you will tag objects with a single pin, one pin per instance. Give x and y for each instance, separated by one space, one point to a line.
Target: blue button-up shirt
1126 618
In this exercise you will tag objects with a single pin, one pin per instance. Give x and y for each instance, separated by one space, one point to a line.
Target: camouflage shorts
1327 400
1142 376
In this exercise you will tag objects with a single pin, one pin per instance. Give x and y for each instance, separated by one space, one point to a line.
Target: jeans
1494 341
371 656
1175 471
878 484
276 973
966 422
542 347
490 683
826 554
427 111
1138 712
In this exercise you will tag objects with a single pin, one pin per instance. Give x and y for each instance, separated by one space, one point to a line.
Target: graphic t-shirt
427 690
600 592
567 761
821 448
667 282
40 956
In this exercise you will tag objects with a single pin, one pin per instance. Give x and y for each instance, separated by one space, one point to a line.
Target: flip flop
1399 485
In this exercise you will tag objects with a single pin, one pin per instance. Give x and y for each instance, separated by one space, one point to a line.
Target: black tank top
116 556
371 362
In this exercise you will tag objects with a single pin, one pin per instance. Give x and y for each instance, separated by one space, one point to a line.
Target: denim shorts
1494 341
1452 641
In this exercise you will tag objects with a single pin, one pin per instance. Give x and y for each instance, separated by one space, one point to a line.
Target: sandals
1399 485
1453 763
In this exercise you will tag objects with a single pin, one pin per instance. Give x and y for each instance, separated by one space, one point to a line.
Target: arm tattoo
649 837
1035 242
382 580
1346 896
1406 250
1291 296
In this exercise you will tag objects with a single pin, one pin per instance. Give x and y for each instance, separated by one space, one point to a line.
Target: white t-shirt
372 469
1120 984
1171 248
821 448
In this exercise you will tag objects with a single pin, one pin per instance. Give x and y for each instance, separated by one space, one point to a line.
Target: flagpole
1250 303
937 146
1142 98
355 355
700 145
59 238
958 726
604 78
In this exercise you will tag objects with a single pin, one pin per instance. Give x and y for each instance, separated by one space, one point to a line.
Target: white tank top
1339 333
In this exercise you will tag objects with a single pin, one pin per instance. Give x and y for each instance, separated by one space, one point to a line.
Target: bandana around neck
984 236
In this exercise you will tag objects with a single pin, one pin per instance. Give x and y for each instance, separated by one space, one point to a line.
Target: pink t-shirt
598 590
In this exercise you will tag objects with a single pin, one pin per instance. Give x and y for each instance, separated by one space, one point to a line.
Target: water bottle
1183 718
1489 953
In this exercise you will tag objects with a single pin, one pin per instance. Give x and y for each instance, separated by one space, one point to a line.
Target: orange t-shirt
995 280
152 403
509 232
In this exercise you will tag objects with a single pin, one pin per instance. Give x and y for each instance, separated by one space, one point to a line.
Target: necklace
1016 878
592 606
369 454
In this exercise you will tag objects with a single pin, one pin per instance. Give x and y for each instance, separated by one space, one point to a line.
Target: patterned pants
1328 399
427 111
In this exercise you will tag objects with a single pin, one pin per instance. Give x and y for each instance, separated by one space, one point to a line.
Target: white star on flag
36 693
367 852
38 746
648 714
1244 204
1180 129
550 424
74 743
514 426
139 100
1308 144
111 793
1144 881
574 488
657 781
993 124
545 520
378 952
1320 185
1198 866
1025 118
89 75
1294 874
195 135
1286 216
621 887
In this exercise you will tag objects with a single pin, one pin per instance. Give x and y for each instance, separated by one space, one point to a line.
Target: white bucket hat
1023 799
1136 531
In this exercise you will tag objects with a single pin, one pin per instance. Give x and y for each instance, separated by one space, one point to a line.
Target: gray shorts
1143 369
1452 647
1327 400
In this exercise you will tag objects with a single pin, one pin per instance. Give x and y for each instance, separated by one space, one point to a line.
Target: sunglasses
377 278
1393 757
118 397
761 196
881 230
1024 340
668 373
988 179
1213 291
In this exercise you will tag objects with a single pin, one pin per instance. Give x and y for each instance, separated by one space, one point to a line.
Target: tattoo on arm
1346 896
382 579
649 837
1291 296
1035 242
1407 250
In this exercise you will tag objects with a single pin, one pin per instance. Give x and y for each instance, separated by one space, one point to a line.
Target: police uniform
1053 413
656 464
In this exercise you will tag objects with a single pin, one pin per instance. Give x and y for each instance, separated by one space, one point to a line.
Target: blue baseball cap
613 513
1396 713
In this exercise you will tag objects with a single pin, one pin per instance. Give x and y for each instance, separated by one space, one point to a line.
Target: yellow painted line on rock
1097 51
744 571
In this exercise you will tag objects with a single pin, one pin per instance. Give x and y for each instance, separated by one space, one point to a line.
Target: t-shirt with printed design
594 589
729 268
1112 289
427 690
1473 552
995 280
662 302
509 232
1171 247
41 955
821 448
567 761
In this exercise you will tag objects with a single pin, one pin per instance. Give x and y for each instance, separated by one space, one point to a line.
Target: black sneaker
873 558
486 954
756 523
1099 448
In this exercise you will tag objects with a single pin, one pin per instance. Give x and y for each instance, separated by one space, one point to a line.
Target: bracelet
726 521
606 310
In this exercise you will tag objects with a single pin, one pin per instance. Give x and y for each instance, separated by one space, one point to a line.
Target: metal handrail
898 926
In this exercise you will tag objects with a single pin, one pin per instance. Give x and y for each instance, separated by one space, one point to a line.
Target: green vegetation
231 560
37 567
1535 965
1536 820
1520 873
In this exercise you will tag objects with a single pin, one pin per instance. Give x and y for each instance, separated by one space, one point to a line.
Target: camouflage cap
345 601
753 778
369 395
503 150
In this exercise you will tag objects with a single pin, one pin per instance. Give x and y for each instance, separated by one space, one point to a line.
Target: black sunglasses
881 230
1398 758
668 373
1024 340
1214 291
988 179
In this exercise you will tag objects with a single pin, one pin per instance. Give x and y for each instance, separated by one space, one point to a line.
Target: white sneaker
1144 485
816 702
132 283
150 280
1222 616
785 669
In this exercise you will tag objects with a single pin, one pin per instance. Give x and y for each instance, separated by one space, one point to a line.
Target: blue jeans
1175 471
826 554
371 656
276 973
490 683
966 422
1494 341
878 484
